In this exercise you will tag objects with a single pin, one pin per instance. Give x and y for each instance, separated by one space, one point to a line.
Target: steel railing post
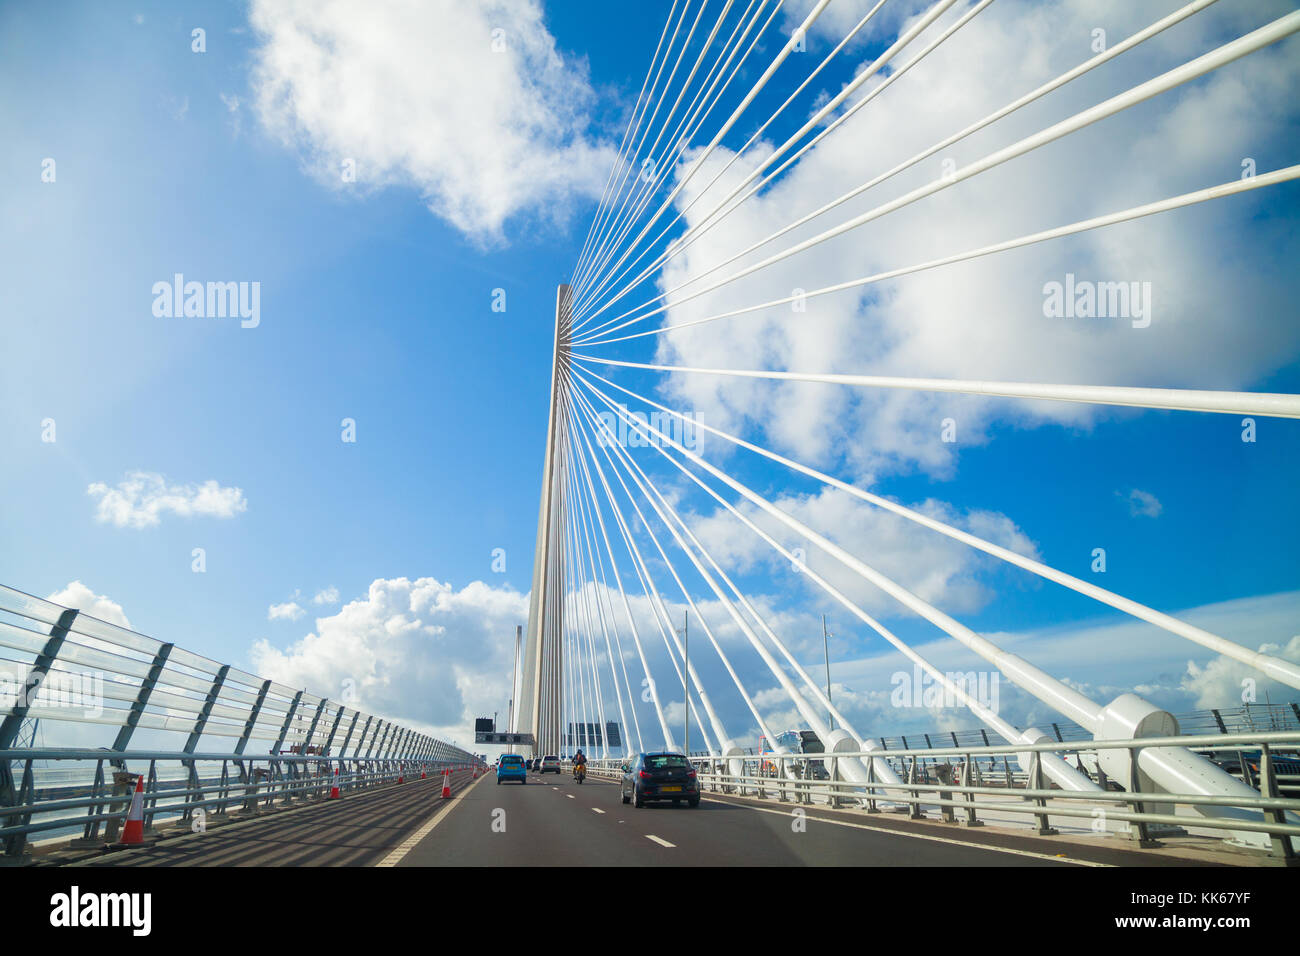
10 795
1035 782
245 773
276 771
1143 834
1281 848
301 772
914 807
193 740
970 773
871 790
125 732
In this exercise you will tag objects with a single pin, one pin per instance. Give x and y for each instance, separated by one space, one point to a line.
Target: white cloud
1142 503
417 651
78 596
432 656
141 498
1100 660
936 568
984 319
484 136
1224 681
288 611
326 596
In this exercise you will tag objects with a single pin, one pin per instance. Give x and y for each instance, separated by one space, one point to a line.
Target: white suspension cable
695 118
658 601
627 607
608 611
796 698
740 621
579 284
1042 685
1221 191
1280 670
591 554
1264 404
625 461
749 98
698 231
628 133
1059 771
828 109
1243 46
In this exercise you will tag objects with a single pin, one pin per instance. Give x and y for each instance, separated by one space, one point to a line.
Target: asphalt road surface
553 821
359 830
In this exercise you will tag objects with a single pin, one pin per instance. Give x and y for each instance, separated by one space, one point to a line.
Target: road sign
494 738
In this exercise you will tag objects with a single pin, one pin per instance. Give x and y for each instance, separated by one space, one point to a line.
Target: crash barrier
206 736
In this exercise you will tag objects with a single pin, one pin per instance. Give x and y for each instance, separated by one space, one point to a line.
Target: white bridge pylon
617 546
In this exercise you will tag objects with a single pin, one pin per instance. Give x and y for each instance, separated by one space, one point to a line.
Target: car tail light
644 775
690 775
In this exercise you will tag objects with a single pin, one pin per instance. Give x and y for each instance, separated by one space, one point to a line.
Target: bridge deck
561 823
553 821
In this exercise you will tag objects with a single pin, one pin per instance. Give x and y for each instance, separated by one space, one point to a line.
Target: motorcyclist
579 760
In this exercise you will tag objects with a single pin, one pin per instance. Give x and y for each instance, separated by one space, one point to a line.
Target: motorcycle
580 772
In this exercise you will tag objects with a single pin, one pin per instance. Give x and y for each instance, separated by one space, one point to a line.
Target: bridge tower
540 699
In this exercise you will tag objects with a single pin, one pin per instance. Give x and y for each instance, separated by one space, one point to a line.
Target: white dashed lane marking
597 810
651 836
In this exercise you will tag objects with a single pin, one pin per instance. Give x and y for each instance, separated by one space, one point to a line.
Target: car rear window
512 760
665 762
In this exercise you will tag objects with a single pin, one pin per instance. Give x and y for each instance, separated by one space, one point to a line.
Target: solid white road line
925 836
651 836
407 845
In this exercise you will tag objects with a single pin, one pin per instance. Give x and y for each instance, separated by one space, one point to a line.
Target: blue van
511 767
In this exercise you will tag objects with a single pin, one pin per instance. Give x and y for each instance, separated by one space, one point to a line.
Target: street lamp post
686 676
826 650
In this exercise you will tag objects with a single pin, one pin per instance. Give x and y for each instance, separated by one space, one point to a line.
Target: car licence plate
672 789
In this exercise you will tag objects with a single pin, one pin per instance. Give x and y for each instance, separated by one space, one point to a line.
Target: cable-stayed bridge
620 545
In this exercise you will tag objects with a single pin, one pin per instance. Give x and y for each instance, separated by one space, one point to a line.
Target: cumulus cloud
985 319
938 569
79 596
288 611
141 499
1224 681
484 116
328 595
1142 503
1099 660
418 651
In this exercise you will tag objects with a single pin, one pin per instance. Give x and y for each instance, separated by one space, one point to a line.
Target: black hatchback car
660 777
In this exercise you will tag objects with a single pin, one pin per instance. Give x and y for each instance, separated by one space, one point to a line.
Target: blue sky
376 306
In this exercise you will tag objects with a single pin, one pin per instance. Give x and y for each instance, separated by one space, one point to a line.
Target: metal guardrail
967 792
256 784
1248 718
176 708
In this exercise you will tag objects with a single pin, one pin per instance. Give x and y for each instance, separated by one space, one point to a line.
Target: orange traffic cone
334 790
133 833
446 784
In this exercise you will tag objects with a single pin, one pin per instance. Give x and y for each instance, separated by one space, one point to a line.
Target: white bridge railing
965 787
